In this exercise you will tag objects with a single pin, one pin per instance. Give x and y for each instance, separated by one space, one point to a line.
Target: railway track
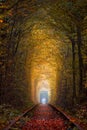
42 117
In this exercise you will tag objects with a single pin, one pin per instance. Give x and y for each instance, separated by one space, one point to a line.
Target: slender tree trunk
73 68
8 58
79 44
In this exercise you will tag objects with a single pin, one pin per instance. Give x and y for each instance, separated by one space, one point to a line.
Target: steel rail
19 117
58 109
30 109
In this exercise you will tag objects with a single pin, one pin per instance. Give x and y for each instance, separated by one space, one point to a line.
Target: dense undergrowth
8 113
79 114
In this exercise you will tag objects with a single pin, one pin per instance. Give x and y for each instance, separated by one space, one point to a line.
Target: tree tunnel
44 51
43 58
43 45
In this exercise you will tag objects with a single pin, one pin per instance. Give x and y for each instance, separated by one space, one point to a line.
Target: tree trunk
79 44
73 68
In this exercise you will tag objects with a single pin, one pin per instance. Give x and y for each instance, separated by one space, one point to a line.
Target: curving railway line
42 117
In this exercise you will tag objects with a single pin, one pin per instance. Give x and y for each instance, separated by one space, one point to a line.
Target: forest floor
78 115
7 113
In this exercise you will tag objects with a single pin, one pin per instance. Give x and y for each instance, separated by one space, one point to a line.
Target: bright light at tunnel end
43 101
43 91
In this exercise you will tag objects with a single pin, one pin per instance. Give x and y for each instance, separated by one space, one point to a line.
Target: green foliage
7 113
